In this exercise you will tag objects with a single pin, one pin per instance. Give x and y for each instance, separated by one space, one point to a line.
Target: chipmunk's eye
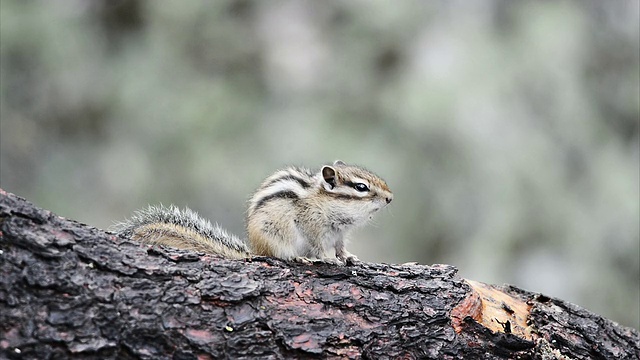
361 187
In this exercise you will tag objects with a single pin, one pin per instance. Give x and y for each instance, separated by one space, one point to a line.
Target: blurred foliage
507 130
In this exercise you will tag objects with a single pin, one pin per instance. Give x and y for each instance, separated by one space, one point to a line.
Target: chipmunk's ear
329 175
339 163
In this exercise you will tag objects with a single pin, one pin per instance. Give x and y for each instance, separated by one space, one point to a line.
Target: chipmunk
295 214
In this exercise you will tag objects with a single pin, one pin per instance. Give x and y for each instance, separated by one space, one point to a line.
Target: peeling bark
68 290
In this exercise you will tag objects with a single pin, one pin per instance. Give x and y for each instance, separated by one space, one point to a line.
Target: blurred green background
508 131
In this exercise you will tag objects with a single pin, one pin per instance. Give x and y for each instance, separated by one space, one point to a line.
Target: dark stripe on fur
345 196
300 181
286 194
350 184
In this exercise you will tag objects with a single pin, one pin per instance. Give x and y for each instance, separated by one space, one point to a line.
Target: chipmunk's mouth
375 210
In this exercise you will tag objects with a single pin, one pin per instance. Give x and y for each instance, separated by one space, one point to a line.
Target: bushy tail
184 229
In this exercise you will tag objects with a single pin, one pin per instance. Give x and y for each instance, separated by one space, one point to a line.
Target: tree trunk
68 290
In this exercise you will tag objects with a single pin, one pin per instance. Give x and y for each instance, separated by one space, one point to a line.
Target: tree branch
71 290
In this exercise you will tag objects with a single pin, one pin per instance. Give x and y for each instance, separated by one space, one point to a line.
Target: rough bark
68 290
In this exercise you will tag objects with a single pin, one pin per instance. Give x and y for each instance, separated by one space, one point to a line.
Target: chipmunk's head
356 192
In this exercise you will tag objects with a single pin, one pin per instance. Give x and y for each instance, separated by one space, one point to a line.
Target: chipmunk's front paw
303 260
332 260
347 258
311 261
352 260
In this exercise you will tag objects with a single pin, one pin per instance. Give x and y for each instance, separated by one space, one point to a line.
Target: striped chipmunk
295 214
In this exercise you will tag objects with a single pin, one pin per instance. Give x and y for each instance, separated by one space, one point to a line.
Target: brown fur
312 221
183 238
295 213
